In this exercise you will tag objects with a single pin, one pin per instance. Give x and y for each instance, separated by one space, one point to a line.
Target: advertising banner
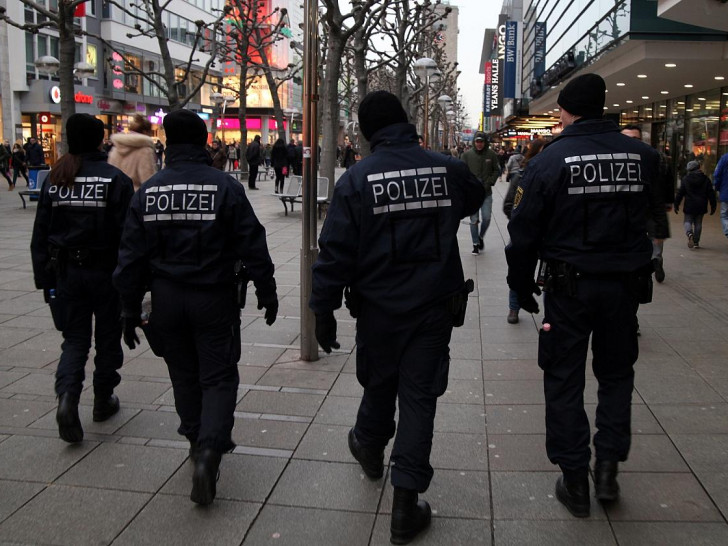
488 90
510 67
539 50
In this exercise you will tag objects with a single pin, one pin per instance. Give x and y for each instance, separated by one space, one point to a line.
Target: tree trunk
65 73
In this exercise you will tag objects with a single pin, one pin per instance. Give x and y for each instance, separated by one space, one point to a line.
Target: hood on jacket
126 143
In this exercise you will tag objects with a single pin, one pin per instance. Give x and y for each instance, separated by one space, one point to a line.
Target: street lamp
425 68
47 65
83 70
218 99
450 115
292 111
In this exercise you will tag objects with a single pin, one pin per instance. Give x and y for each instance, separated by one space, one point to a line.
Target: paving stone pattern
292 481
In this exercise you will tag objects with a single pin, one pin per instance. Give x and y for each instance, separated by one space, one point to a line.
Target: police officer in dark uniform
390 239
81 211
581 206
189 228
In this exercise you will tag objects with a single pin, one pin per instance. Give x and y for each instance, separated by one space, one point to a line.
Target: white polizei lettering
576 190
390 186
439 170
150 199
591 189
391 174
603 178
424 170
607 188
439 186
638 157
163 202
590 177
592 157
572 159
409 172
414 205
575 171
404 191
618 177
380 210
632 172
207 201
375 177
604 156
397 207
378 191
190 205
423 192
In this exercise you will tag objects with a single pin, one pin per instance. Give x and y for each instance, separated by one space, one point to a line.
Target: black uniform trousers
83 294
199 331
252 175
406 358
606 309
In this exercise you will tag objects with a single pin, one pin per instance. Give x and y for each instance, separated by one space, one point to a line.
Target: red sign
83 98
44 118
80 10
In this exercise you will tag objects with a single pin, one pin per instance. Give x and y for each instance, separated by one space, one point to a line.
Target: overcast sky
475 16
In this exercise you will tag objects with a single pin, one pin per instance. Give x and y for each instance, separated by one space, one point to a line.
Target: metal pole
427 108
309 249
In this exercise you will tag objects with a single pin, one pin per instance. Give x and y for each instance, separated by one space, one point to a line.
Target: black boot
371 460
204 480
193 451
572 490
69 425
409 516
605 480
105 407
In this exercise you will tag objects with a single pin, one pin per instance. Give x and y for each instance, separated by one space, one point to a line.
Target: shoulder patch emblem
517 197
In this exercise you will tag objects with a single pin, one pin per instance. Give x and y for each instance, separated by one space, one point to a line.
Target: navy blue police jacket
391 229
585 200
190 223
88 216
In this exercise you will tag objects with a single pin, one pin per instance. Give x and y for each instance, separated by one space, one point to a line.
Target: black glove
270 302
128 328
326 331
526 300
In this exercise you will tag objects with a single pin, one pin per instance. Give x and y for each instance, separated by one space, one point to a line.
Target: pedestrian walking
194 260
18 163
218 153
159 153
590 230
74 247
253 155
232 156
720 182
134 152
279 159
5 155
390 242
483 163
697 190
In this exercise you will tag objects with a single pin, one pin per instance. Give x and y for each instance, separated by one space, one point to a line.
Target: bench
240 176
33 193
292 193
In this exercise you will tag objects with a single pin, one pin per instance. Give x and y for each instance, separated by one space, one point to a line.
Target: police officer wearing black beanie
581 206
189 232
75 242
390 240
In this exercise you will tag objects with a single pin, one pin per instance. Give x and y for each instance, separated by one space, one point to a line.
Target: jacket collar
397 133
178 153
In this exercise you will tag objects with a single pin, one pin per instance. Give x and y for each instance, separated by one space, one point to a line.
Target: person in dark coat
390 239
349 156
697 190
254 156
219 156
279 160
298 161
75 244
189 233
34 152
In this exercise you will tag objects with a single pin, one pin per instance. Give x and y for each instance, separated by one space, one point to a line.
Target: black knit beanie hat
85 133
584 96
378 110
185 127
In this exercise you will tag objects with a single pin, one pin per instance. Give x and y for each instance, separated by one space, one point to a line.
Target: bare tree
60 20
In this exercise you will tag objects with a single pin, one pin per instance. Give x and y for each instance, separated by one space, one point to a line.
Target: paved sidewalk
291 480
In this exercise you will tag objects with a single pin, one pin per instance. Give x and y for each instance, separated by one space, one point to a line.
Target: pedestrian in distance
697 190
34 152
74 247
720 182
18 162
591 234
232 156
279 159
133 152
391 248
5 155
218 153
193 240
483 163
254 156
159 153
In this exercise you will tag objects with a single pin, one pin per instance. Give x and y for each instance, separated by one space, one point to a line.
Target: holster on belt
241 283
560 278
458 303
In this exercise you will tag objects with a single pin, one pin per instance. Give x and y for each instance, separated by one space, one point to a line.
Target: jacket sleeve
495 168
510 194
250 243
336 265
473 189
528 222
130 276
720 171
39 240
